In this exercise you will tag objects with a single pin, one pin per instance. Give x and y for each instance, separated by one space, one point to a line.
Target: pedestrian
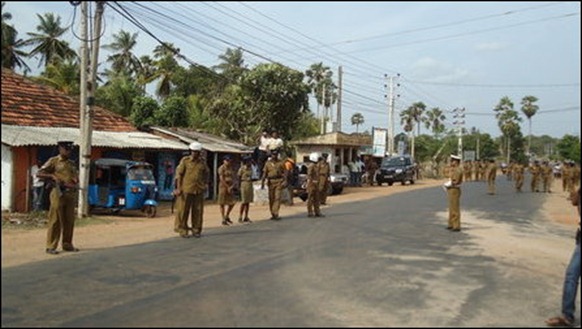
453 187
535 171
313 191
246 189
292 177
518 170
63 198
263 149
491 176
274 173
546 176
324 178
37 187
571 278
192 176
226 198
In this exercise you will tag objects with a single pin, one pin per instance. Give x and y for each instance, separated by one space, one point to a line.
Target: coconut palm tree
318 76
415 111
232 66
47 42
357 120
407 121
529 109
12 56
123 59
166 66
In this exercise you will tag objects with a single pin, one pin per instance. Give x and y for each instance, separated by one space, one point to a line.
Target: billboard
378 142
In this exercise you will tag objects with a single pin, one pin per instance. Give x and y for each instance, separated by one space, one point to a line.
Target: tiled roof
28 103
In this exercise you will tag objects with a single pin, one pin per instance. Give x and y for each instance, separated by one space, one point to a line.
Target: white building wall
6 178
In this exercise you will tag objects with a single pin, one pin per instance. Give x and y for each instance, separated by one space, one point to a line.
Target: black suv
400 168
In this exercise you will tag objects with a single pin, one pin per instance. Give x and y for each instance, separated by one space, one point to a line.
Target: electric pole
391 97
87 86
338 117
459 115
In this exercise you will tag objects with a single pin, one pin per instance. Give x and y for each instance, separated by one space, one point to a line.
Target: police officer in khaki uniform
547 175
226 189
63 198
192 176
324 178
535 171
454 193
518 170
491 176
245 174
313 191
275 174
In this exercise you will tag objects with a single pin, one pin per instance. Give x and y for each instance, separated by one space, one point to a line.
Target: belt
276 177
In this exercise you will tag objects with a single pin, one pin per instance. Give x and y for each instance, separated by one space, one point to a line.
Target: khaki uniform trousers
61 218
535 182
313 201
323 186
454 198
491 186
189 205
275 186
518 182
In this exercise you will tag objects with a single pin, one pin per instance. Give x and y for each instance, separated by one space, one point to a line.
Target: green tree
321 85
232 66
434 120
64 76
416 111
143 111
529 109
12 55
166 68
569 148
173 113
118 94
357 120
508 121
47 43
123 60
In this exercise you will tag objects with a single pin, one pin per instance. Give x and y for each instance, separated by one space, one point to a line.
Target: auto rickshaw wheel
150 211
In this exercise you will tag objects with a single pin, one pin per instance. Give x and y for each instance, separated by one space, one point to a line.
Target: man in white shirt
37 187
264 143
276 143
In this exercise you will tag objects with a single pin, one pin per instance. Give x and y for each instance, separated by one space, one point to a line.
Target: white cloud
431 69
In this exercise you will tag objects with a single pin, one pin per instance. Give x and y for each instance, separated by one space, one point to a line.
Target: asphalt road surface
386 262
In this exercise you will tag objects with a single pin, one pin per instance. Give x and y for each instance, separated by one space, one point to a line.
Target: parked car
336 186
399 168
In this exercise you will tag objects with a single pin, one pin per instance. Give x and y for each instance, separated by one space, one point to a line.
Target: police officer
192 176
491 176
324 180
226 189
546 173
313 190
535 171
246 189
275 174
518 170
63 198
454 193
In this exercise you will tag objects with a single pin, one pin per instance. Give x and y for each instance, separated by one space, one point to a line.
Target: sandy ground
24 246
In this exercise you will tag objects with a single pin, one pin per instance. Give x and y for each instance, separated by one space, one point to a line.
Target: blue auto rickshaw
118 184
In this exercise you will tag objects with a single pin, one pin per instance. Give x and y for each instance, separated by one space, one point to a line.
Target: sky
445 54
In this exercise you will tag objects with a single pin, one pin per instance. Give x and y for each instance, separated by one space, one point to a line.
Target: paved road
385 262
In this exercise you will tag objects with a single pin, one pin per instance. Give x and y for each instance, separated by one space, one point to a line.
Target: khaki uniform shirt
192 174
63 168
274 169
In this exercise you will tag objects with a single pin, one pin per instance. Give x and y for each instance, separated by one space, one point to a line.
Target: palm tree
529 109
507 119
416 110
166 66
123 59
232 66
64 76
318 76
434 121
47 43
12 57
357 120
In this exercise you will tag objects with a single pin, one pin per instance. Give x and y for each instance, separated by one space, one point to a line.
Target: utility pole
459 115
88 86
391 97
338 117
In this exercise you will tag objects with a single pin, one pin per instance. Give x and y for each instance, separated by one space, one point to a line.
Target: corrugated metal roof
209 142
46 136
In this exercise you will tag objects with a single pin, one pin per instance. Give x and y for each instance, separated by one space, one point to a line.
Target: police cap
65 144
